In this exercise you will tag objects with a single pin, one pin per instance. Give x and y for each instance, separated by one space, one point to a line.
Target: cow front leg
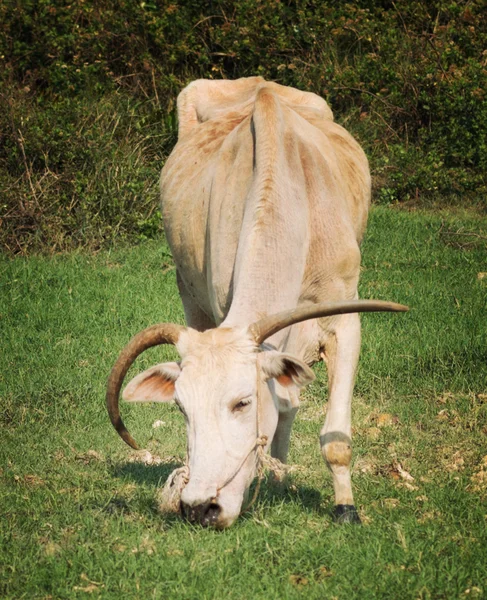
282 437
341 354
287 403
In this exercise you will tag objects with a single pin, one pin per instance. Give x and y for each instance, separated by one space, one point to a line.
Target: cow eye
241 404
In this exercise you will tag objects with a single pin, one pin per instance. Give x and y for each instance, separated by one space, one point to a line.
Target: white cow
265 202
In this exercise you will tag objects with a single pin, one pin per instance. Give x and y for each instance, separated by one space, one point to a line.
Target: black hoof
346 513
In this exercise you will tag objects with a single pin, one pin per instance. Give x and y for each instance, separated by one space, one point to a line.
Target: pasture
77 506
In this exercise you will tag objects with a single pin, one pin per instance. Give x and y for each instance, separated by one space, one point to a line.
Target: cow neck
258 446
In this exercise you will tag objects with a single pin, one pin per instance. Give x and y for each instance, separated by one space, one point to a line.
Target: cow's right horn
271 324
163 333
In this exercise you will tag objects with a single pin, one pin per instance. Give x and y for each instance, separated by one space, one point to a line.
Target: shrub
90 89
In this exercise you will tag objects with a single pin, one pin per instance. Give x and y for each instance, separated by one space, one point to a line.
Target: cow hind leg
341 354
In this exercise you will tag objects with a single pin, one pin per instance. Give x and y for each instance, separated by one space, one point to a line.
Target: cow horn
264 328
163 333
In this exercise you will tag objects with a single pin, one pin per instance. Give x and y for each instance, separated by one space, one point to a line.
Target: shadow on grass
153 475
271 493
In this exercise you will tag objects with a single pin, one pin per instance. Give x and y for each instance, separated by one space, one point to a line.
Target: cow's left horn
267 326
163 333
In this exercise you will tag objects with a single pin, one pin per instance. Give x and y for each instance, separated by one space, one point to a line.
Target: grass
77 507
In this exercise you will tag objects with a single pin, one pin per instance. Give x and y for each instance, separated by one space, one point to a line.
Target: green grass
78 517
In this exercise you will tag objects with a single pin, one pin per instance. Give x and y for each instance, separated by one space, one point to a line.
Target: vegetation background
87 118
88 89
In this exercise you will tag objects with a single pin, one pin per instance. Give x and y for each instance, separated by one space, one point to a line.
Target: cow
265 201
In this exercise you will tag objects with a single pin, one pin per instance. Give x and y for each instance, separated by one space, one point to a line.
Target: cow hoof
346 513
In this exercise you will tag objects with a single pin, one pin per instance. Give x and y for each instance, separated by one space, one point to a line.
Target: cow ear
154 385
285 369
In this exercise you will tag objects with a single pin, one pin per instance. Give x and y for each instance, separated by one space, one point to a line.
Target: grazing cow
265 202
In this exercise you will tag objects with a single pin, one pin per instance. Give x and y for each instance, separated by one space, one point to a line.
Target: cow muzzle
206 514
200 503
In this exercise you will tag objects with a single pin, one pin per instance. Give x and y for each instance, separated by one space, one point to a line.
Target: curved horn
163 333
267 326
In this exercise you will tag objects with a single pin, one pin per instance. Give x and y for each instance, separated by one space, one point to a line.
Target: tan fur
257 163
338 453
214 344
265 201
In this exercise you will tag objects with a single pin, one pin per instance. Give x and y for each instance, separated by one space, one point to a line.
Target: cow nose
205 514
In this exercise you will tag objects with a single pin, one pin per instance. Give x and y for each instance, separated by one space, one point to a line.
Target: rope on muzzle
265 462
169 501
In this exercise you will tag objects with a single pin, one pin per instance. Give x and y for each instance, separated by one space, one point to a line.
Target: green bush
88 91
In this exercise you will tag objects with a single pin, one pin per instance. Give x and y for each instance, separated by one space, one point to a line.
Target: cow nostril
211 514
205 514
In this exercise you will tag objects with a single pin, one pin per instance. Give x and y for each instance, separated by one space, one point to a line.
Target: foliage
81 172
409 79
77 506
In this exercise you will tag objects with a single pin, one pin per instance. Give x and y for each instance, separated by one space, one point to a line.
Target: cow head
224 386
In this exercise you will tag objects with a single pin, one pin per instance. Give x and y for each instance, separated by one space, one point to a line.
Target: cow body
264 199
265 202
